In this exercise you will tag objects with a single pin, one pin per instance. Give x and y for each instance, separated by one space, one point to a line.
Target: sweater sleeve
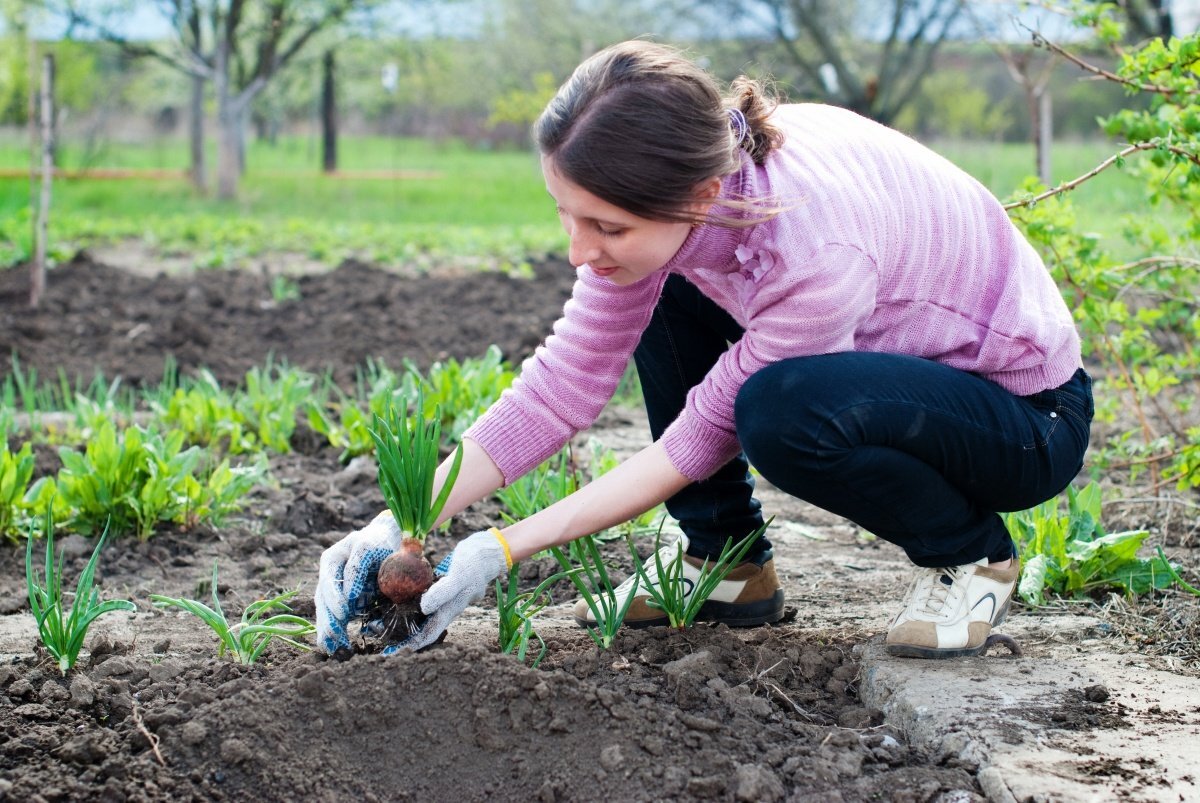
812 307
565 384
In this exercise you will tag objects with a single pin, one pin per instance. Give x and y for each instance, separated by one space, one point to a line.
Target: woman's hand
475 562
348 578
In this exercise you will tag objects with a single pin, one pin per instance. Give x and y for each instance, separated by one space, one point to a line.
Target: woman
804 290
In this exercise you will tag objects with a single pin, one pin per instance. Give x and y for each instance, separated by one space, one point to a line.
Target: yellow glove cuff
507 552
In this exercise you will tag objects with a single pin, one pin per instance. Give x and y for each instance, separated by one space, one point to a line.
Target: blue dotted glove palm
348 578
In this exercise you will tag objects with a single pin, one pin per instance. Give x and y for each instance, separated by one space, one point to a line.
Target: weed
1071 555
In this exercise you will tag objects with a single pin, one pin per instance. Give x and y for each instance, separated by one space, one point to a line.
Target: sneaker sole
732 614
914 651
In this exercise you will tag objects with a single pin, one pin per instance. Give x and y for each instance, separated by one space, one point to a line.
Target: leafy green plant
407 452
591 580
62 631
220 492
349 431
133 480
1069 553
679 597
248 639
15 472
284 288
207 415
1136 310
461 390
139 478
272 397
516 610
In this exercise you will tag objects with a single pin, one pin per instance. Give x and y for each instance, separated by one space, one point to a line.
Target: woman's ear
709 189
707 193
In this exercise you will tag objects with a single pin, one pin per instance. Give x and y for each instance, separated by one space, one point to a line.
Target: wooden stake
37 281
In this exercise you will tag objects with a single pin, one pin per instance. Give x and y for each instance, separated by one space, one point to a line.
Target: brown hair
641 127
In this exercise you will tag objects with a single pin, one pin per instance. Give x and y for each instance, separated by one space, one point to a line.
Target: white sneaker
950 612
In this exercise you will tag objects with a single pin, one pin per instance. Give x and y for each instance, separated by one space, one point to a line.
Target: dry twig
152 738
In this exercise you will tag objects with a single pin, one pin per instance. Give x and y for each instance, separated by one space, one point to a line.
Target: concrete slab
1049 726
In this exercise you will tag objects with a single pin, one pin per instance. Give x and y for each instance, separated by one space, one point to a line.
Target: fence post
37 281
328 115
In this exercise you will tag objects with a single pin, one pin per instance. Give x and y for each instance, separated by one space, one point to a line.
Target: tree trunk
199 167
227 124
31 121
37 280
1044 135
328 117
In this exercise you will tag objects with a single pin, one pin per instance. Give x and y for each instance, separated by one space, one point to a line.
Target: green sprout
248 639
516 611
408 459
681 598
597 590
62 632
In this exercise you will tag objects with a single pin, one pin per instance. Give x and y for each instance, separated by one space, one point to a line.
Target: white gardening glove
348 578
473 565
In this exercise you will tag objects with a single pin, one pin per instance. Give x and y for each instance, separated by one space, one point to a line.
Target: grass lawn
476 205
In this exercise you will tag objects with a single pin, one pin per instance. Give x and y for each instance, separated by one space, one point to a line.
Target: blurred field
480 203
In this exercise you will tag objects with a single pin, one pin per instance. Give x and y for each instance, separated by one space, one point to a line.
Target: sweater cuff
698 449
514 455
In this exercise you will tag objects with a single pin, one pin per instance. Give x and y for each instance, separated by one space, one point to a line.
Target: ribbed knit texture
883 246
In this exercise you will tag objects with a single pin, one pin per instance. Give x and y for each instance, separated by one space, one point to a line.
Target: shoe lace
934 588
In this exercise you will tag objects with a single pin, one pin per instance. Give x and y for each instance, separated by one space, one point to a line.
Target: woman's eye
607 232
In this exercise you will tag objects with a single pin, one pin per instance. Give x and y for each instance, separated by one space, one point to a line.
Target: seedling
591 579
408 459
62 633
516 611
248 639
679 597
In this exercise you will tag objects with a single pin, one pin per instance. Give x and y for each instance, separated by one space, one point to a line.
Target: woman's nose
583 249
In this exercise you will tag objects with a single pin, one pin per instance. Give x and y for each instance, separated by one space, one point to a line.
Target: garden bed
152 714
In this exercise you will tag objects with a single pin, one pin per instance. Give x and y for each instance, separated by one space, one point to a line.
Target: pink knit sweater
884 246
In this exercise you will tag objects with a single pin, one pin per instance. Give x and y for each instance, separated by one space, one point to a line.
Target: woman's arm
478 476
635 486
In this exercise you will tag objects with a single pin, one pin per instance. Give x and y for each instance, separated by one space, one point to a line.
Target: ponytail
749 97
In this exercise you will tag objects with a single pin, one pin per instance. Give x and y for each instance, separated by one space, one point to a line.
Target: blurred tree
867 55
1149 18
238 45
952 104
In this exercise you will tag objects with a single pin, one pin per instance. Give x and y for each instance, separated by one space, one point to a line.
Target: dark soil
151 714
94 317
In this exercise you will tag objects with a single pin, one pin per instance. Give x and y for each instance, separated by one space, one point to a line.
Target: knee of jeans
756 409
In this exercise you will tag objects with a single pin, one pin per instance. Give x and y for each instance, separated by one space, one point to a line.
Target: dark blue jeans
920 454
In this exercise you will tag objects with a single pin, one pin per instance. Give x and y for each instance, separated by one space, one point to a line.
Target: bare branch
1107 163
1041 41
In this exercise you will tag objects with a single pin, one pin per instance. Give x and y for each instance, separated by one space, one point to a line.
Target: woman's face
613 243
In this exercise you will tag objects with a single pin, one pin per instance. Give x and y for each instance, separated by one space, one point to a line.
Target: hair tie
741 129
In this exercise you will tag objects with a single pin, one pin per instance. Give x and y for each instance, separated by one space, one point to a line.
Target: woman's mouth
609 271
